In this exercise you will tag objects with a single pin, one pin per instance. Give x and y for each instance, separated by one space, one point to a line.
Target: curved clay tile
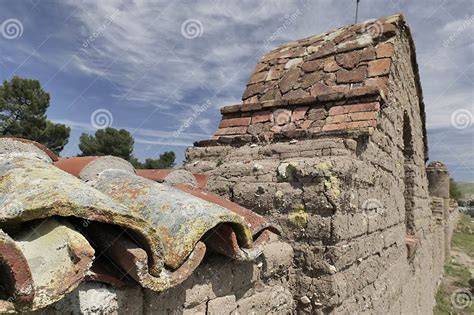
15 277
224 239
58 257
31 189
180 219
40 146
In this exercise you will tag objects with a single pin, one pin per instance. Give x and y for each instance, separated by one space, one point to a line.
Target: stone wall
219 286
341 167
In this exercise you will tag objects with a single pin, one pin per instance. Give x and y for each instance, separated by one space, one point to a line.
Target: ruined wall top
336 82
355 55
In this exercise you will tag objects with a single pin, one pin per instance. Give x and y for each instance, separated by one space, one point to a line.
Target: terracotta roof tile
153 233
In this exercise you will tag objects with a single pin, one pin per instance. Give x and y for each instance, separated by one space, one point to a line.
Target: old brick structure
330 143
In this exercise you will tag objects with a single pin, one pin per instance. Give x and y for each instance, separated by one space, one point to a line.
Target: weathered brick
336 110
379 67
313 65
262 116
337 119
379 82
362 116
260 66
289 79
231 109
331 66
353 76
321 50
258 77
317 114
234 122
384 50
306 124
331 127
364 107
296 94
318 89
253 89
231 131
367 53
274 73
298 113
348 60
247 107
361 124
293 63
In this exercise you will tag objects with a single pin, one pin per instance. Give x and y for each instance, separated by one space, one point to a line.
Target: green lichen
331 182
298 216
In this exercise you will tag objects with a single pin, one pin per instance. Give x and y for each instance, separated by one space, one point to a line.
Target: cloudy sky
161 69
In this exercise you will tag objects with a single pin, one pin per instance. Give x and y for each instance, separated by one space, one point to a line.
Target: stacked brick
297 118
317 73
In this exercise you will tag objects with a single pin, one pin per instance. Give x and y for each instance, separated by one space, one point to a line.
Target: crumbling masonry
330 143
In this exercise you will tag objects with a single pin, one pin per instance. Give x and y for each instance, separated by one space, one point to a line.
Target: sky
162 69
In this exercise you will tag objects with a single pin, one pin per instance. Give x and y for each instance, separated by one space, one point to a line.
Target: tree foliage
111 141
454 191
166 160
23 106
108 141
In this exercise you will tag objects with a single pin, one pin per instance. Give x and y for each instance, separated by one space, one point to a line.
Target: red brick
299 113
336 110
235 122
337 119
263 116
352 76
363 116
364 107
379 67
231 131
384 50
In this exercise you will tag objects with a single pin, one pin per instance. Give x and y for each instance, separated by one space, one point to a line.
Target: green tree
454 191
111 141
108 141
23 106
166 160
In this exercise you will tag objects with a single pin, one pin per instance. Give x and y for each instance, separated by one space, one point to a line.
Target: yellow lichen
332 182
298 216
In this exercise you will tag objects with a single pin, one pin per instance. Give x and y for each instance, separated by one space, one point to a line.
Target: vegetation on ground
457 285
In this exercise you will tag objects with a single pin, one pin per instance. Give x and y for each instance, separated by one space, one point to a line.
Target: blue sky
161 69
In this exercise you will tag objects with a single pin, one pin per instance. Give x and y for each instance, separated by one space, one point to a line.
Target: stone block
222 305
